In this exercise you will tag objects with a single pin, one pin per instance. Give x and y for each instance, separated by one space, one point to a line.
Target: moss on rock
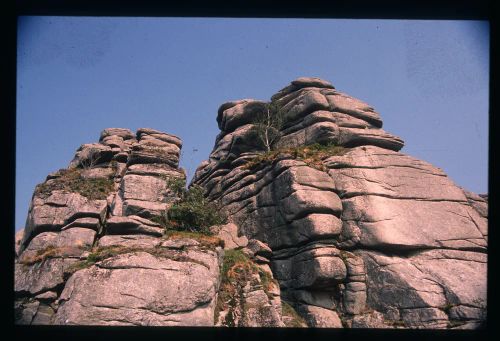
71 180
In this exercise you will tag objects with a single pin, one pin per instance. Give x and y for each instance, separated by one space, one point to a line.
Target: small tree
268 124
89 158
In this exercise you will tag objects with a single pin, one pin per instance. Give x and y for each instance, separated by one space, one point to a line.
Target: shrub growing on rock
207 241
192 212
177 185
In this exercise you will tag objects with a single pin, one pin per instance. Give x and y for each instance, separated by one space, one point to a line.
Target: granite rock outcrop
334 227
92 252
361 234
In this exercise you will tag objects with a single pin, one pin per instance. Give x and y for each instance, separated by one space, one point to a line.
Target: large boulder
155 147
235 114
124 134
69 242
398 202
302 82
140 288
58 210
36 278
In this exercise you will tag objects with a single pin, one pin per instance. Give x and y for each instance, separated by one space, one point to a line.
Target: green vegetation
205 240
98 254
313 155
267 282
195 213
236 267
101 253
50 251
236 271
192 212
177 185
71 180
290 316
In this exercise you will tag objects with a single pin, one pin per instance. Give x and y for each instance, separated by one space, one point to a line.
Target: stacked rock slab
374 238
92 253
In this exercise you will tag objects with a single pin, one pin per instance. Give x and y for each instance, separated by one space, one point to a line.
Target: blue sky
79 75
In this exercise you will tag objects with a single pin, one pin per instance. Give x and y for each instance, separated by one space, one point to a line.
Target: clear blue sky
77 76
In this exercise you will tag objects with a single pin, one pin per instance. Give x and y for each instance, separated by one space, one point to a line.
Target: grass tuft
313 155
236 271
290 317
50 251
71 180
203 239
267 282
99 254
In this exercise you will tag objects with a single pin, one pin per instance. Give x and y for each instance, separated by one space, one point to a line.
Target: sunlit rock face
369 237
334 221
91 252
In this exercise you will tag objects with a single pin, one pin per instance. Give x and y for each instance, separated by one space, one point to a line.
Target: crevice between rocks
345 165
357 194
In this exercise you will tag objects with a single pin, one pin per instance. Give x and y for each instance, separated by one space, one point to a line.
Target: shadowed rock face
375 237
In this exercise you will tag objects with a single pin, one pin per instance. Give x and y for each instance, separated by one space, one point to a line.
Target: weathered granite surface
102 261
373 238
363 237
